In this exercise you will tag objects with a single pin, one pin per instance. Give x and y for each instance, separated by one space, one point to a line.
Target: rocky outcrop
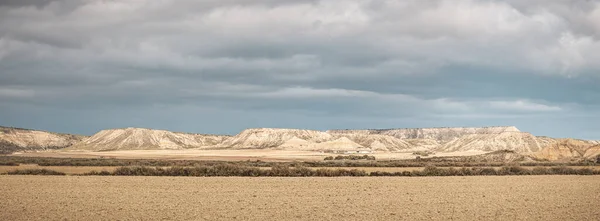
441 135
145 139
273 137
567 149
486 139
592 152
342 143
516 141
376 141
17 139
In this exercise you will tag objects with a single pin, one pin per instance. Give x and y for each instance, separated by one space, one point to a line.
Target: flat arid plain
492 173
270 198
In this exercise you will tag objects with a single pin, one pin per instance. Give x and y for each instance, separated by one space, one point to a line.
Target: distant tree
598 159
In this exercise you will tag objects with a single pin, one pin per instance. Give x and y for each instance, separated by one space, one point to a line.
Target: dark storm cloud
311 64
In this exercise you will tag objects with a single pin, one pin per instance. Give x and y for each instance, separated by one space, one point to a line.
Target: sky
221 66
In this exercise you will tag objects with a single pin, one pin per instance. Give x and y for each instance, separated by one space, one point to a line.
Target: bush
514 170
283 170
35 172
96 173
351 157
422 153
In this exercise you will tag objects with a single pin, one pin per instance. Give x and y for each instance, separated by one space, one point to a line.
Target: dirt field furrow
268 198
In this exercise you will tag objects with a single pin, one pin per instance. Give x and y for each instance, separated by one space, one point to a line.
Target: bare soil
269 198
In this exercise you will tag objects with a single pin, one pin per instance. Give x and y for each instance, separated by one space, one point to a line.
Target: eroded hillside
568 149
486 139
145 139
18 139
441 134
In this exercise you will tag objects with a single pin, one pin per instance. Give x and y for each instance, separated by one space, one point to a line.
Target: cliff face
141 138
516 141
274 137
376 141
441 135
567 149
17 139
438 139
386 140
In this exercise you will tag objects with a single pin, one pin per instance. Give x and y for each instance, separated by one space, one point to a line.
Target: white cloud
523 105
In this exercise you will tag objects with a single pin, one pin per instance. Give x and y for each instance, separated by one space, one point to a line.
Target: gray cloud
313 64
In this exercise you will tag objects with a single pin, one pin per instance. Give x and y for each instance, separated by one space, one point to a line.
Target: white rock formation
517 141
567 149
342 143
273 137
376 141
433 139
17 139
145 139
441 135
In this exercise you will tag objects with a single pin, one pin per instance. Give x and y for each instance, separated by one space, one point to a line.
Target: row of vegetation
422 153
350 157
284 171
434 161
35 172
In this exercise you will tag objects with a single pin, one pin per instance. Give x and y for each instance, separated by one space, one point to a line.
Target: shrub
513 170
422 153
96 173
351 157
35 172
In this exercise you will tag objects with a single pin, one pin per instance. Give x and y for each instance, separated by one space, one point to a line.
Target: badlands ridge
380 140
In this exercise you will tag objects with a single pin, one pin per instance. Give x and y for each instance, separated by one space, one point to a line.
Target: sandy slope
16 139
517 141
141 138
566 149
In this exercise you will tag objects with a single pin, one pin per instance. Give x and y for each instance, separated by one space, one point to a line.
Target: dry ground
228 155
268 198
65 169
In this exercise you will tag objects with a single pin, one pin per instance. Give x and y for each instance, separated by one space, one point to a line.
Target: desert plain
308 198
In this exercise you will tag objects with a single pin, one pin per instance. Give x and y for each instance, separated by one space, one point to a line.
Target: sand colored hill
17 139
516 141
342 143
376 141
485 139
592 152
272 137
145 139
566 149
441 135
297 144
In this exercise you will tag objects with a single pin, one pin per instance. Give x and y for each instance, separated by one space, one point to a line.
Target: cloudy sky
220 66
